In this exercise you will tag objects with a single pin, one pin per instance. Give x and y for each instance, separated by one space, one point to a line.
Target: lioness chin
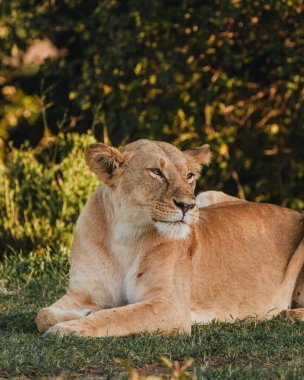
145 257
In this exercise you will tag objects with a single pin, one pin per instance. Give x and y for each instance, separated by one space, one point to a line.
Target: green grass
243 350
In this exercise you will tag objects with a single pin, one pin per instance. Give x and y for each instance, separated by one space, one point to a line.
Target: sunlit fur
208 198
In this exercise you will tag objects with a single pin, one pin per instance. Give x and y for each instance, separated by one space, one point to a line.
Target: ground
242 350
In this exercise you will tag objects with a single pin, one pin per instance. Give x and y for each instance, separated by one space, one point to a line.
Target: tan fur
208 198
139 263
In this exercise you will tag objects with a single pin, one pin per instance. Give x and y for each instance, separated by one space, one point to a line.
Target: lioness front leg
88 287
67 308
151 315
162 290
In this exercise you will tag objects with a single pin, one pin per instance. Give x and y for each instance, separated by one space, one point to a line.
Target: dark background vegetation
229 73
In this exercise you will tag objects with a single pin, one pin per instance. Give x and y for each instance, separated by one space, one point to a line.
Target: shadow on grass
20 306
23 322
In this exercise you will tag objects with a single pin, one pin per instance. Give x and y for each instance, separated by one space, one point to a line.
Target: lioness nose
183 206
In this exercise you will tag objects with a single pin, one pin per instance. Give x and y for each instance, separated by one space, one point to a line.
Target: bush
18 269
227 72
41 194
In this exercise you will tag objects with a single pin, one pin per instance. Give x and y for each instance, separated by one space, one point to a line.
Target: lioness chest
127 257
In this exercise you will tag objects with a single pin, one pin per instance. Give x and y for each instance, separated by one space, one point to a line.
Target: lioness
146 258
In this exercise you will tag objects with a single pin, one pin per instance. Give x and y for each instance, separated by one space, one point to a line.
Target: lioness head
153 182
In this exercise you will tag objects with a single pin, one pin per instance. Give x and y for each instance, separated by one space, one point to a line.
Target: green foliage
18 268
41 194
227 72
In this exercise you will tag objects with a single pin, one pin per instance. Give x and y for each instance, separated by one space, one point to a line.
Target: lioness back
235 271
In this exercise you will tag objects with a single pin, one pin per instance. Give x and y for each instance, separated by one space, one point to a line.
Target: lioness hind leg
298 294
67 308
293 314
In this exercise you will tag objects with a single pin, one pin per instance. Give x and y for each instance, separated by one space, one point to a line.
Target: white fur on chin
173 230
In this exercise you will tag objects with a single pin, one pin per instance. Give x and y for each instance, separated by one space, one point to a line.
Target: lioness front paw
49 316
45 319
69 328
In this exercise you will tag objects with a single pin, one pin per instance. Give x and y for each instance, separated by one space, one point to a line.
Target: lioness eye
157 172
190 177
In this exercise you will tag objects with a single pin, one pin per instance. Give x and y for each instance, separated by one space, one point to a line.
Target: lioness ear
201 155
104 160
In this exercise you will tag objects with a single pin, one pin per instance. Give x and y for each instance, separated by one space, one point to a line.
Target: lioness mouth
170 222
